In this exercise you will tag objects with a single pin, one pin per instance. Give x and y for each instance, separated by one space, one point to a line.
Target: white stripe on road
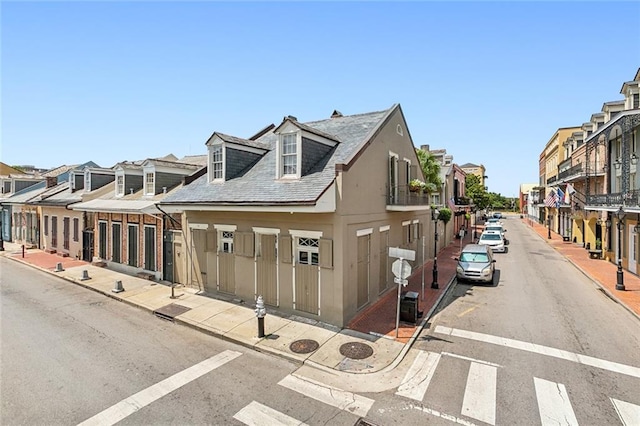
629 413
416 381
126 407
553 404
543 350
480 394
466 358
442 415
329 395
256 414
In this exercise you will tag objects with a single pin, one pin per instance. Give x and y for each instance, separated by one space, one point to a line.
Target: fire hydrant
260 313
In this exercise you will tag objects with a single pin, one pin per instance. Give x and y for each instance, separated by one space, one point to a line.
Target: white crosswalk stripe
127 407
356 404
256 414
480 393
629 413
416 381
553 403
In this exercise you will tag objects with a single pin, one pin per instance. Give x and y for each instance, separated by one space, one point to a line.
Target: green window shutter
414 171
326 253
211 241
285 249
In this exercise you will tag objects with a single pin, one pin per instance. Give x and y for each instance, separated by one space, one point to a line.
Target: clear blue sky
490 82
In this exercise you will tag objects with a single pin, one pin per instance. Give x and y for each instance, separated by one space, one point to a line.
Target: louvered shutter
285 249
326 253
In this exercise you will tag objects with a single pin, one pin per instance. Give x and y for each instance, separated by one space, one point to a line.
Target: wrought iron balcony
402 195
629 198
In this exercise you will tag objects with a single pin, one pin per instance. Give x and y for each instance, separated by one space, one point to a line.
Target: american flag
452 203
552 199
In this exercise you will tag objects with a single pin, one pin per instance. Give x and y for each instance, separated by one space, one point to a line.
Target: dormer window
119 185
87 181
217 163
289 150
149 183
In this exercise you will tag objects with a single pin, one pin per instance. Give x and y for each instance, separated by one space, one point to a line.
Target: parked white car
493 239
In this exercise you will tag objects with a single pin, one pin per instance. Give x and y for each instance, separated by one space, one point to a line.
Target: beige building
478 170
304 214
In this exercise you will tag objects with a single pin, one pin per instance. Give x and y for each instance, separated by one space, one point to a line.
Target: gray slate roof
259 185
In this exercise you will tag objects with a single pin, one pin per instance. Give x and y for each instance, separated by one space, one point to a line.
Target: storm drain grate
356 350
169 312
304 346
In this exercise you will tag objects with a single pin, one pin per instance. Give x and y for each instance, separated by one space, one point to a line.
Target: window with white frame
217 163
307 251
289 154
120 185
226 241
149 183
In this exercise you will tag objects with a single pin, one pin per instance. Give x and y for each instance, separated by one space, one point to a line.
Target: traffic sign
401 269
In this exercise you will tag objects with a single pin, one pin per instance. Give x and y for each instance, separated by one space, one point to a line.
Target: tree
475 191
430 169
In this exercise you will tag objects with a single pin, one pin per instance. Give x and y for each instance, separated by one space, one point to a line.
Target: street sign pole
402 270
423 249
398 280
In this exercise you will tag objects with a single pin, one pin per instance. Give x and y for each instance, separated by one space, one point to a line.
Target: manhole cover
304 346
356 350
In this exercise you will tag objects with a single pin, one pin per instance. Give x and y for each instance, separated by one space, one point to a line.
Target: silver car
476 263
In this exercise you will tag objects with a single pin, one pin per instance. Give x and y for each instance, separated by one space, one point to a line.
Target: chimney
51 181
424 148
291 117
336 114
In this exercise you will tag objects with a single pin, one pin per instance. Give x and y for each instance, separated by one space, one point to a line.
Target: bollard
173 296
23 251
260 313
85 275
118 287
58 267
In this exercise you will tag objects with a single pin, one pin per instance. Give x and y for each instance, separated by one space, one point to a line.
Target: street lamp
620 278
435 214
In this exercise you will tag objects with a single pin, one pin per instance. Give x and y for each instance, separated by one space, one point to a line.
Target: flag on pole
568 193
560 196
452 204
552 199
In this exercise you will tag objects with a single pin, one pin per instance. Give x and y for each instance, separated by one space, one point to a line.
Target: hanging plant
445 214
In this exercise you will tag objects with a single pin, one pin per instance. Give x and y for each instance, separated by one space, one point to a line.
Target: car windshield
490 237
494 228
474 257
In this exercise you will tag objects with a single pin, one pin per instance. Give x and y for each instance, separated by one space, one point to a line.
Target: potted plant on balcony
598 244
416 185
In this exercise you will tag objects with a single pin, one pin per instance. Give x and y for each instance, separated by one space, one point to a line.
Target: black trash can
409 307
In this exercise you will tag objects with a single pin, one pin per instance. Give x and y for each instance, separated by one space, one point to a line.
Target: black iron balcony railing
630 198
463 201
402 195
576 170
